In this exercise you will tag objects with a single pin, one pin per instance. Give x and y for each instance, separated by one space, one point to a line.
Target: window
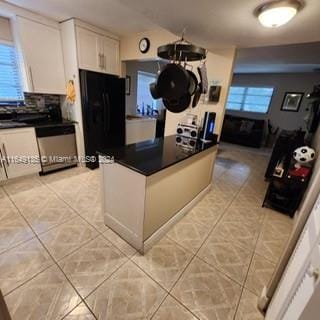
144 97
250 99
10 87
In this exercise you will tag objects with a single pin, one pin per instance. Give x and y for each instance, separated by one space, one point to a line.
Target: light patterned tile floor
59 261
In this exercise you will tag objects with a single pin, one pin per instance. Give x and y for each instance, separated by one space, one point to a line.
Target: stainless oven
57 147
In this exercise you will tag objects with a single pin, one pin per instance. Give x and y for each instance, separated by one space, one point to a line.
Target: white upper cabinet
111 55
40 51
89 50
97 52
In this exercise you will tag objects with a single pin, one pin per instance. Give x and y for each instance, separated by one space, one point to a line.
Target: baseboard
155 237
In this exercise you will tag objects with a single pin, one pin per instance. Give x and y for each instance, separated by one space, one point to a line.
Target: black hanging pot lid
173 82
154 90
181 52
178 105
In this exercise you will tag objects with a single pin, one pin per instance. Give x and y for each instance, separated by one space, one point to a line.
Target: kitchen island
150 185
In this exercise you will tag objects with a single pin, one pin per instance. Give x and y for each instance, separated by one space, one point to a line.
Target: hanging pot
193 82
202 70
197 96
178 105
154 90
173 82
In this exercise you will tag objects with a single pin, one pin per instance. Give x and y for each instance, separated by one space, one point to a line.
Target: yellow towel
71 92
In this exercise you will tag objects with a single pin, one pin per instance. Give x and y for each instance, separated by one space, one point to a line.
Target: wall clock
144 45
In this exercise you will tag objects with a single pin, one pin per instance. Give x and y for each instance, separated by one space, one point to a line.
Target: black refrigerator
103 112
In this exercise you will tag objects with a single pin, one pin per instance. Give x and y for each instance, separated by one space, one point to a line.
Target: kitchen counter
151 156
11 124
151 185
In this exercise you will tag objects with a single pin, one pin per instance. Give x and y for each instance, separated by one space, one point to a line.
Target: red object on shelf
302 172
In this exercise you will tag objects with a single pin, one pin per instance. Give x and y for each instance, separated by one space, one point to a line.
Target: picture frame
128 85
292 101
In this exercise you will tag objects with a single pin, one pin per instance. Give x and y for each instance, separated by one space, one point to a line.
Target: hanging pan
178 105
173 82
154 91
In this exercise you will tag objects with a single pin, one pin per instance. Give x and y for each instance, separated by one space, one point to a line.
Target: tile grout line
35 237
71 207
129 258
52 258
233 199
249 266
195 254
100 234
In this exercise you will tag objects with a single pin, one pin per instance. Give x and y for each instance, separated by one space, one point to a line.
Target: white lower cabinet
301 279
20 153
138 130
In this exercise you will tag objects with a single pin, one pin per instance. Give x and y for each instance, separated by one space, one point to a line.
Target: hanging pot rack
182 51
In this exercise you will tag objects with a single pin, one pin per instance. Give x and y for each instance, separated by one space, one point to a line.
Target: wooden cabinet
40 52
20 152
97 52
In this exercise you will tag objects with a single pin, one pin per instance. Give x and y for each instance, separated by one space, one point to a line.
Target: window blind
10 86
249 99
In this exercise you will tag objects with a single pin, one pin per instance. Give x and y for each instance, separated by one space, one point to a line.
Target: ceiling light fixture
277 13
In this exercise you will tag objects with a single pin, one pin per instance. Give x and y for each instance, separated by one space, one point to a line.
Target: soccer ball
304 155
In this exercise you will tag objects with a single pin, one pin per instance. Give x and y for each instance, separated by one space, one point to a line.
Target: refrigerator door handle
108 110
104 113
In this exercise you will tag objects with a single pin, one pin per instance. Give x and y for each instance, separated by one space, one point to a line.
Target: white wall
5 30
282 83
219 68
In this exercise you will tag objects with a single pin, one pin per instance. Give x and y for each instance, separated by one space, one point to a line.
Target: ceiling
279 59
108 14
211 23
221 23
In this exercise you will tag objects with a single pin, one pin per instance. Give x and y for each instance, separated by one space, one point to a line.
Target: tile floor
59 261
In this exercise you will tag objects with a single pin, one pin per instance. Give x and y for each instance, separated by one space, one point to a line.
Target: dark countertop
11 124
151 156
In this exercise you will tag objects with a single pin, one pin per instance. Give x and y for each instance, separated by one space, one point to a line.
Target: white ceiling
211 23
279 59
108 14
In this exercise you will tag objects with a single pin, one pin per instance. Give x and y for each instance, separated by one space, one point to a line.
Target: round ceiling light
277 13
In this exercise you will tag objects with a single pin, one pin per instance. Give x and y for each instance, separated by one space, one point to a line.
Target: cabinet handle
100 61
5 154
31 77
105 62
314 272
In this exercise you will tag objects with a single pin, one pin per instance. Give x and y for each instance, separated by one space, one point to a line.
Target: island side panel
123 199
170 190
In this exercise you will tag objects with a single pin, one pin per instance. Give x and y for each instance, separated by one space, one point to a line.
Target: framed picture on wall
292 101
128 85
